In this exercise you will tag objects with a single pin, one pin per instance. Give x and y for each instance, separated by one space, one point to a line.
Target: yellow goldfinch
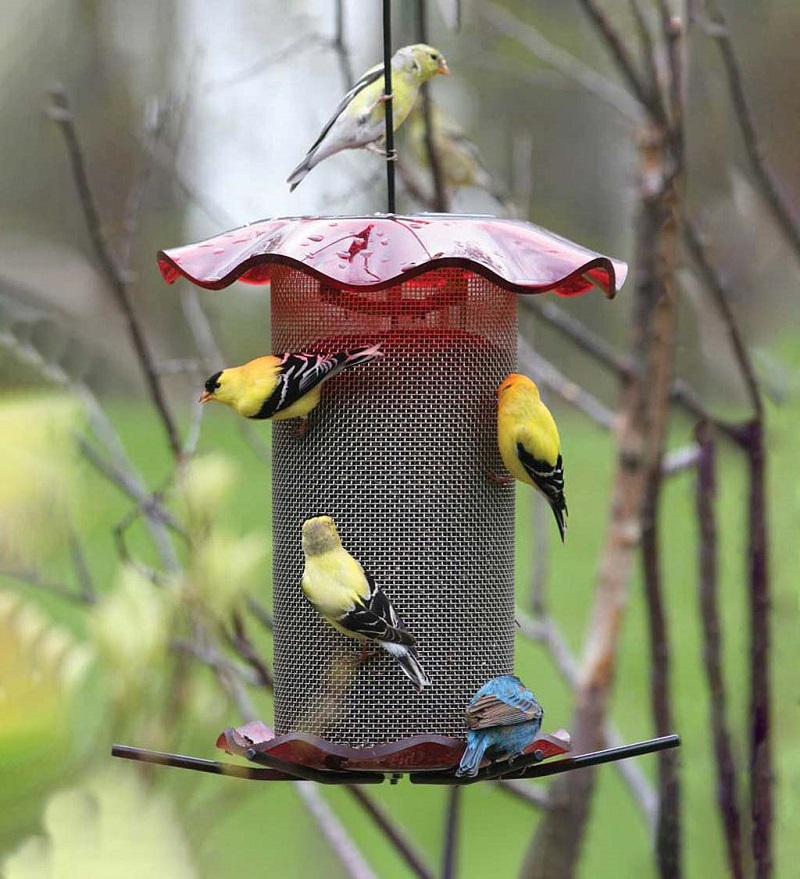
281 387
529 443
349 599
359 120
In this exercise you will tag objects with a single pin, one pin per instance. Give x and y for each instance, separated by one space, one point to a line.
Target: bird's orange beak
205 397
443 68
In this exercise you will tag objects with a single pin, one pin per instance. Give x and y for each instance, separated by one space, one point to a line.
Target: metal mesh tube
398 454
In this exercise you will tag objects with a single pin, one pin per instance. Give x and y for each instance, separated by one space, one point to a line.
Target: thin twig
341 48
546 373
37 580
533 795
216 661
718 289
544 631
569 65
440 199
117 274
334 832
719 30
620 53
402 845
241 643
451 834
705 507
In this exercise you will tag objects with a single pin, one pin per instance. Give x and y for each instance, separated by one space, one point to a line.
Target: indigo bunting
503 718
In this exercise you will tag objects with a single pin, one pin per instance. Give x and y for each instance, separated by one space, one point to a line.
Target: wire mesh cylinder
398 454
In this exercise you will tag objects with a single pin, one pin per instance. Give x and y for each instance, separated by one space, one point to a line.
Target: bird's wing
376 618
548 477
372 75
507 709
298 374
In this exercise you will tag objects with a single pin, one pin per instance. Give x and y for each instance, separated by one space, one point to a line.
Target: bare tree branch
396 837
719 31
533 795
727 794
117 274
451 833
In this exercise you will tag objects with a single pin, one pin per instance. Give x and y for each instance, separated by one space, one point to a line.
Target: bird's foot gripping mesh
398 454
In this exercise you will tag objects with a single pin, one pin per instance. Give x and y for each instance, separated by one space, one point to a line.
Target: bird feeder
399 451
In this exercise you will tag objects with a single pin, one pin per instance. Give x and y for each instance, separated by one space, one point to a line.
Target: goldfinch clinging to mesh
281 387
349 599
359 120
529 443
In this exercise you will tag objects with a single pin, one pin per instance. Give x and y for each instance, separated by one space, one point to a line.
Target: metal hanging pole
387 106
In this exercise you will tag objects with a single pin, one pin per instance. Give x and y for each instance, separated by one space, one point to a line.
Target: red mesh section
397 453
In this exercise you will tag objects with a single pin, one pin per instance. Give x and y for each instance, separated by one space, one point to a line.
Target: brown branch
38 581
719 291
451 834
727 794
440 197
524 791
117 274
668 830
761 771
555 847
718 29
396 837
241 643
620 53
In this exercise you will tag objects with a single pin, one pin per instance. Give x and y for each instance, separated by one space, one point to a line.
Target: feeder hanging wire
387 106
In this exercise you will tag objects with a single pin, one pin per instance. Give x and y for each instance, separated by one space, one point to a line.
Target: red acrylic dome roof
379 251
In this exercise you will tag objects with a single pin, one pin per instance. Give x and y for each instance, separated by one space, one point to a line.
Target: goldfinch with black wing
284 387
349 599
529 442
359 120
503 719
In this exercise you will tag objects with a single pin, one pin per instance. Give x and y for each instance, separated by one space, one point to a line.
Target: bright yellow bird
529 443
350 600
359 120
281 387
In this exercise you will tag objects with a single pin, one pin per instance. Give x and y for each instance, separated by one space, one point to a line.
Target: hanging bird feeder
398 453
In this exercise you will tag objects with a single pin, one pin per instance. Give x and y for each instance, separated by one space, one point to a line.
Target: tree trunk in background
555 848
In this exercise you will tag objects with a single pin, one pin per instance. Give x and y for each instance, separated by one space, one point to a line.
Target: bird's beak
443 68
205 397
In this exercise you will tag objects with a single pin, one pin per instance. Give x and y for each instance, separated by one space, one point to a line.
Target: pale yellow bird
529 442
349 599
360 118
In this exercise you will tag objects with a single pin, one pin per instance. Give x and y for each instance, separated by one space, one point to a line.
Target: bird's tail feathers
561 519
299 173
407 660
471 759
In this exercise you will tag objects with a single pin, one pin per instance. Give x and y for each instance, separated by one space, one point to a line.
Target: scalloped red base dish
424 753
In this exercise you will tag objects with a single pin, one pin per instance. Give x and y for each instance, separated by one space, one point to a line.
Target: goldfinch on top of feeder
529 443
503 719
359 120
284 387
349 599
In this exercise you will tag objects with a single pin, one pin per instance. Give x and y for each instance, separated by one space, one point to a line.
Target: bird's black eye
434 56
213 383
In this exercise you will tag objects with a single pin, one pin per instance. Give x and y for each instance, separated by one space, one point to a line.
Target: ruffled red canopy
379 251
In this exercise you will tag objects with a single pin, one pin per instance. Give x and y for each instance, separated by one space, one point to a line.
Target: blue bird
503 718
